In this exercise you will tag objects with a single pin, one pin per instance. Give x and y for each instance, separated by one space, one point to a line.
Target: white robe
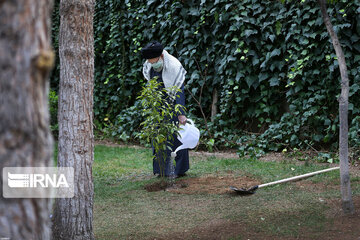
173 73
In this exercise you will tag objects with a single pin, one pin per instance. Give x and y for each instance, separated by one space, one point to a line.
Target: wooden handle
297 177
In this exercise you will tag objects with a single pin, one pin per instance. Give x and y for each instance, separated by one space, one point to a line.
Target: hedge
272 65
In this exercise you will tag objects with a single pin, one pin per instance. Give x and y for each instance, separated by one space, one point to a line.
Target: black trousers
161 161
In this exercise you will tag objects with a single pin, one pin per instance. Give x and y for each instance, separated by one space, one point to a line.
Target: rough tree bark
347 203
73 217
26 58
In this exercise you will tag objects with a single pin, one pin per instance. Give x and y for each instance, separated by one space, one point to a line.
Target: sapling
159 128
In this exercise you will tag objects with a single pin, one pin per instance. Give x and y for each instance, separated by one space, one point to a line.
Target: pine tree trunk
73 217
26 58
347 203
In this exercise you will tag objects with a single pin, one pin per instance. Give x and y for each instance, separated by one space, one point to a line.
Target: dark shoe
181 175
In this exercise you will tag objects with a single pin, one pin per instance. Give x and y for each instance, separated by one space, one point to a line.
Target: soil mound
207 184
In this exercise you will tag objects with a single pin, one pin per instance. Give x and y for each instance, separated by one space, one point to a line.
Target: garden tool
251 190
189 136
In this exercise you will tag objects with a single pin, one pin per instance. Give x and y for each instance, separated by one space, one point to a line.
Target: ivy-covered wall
272 64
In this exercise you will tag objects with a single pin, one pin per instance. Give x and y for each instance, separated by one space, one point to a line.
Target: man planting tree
169 73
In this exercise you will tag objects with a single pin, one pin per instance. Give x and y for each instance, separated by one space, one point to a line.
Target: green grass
124 210
115 163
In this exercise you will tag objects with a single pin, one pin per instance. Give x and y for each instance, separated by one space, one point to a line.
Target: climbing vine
271 63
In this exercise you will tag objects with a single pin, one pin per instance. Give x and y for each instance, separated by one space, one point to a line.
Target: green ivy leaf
278 27
250 32
275 52
274 81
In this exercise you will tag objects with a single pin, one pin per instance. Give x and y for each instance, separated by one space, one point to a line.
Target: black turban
152 50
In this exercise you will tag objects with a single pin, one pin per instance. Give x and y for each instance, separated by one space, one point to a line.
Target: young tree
73 217
158 127
26 58
347 203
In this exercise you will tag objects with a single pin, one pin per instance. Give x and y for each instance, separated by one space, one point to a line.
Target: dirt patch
212 184
315 187
339 227
157 186
222 229
342 226
218 229
273 157
222 154
207 184
355 171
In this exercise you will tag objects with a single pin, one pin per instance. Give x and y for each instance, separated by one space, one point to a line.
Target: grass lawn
308 209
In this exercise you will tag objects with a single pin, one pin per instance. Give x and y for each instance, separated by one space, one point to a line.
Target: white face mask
158 65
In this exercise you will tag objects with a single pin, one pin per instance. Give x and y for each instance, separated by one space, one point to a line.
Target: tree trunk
214 104
26 58
73 217
347 203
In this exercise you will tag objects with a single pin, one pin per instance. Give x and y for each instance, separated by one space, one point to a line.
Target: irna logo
38 182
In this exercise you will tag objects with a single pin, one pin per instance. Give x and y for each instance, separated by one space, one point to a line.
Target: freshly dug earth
157 186
206 184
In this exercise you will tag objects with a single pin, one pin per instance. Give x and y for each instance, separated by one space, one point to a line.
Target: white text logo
38 182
